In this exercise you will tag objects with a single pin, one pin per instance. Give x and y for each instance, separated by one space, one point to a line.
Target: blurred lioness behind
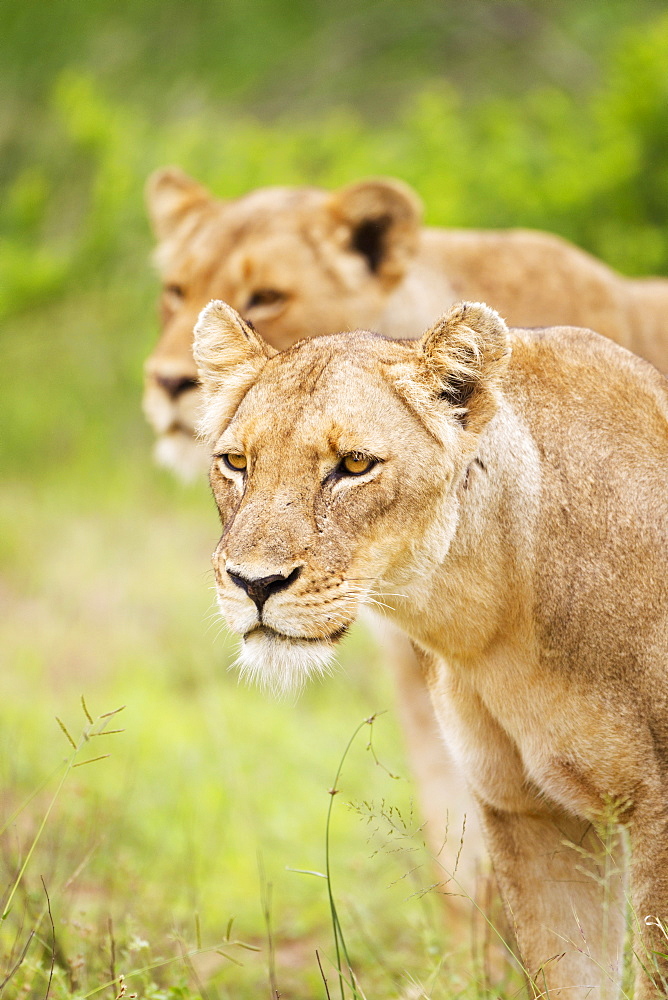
303 261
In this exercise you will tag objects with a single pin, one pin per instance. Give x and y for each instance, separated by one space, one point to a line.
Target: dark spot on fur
467 474
368 239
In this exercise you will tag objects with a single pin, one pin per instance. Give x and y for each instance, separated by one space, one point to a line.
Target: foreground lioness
504 495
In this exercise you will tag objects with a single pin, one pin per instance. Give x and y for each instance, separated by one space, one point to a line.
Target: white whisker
379 604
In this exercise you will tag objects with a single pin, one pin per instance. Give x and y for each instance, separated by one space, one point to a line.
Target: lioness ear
382 218
229 356
170 197
467 354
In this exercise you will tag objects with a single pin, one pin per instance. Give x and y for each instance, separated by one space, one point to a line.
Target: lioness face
322 456
304 495
295 262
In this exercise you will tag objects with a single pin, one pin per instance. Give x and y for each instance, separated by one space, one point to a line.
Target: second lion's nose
261 588
175 386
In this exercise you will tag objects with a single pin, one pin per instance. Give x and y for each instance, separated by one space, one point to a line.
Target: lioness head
295 262
337 469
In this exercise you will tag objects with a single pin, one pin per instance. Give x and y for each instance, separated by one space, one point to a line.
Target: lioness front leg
565 898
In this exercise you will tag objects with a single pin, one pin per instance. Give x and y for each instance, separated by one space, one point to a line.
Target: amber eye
356 464
235 461
264 297
174 291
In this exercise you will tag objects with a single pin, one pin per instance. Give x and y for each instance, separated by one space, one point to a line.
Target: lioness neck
476 594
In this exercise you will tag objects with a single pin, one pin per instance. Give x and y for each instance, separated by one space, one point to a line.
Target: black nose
263 587
176 385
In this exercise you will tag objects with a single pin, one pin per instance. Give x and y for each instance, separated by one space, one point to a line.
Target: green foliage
593 169
303 55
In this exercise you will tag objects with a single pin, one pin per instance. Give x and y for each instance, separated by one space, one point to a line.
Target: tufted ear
381 220
171 196
230 356
466 354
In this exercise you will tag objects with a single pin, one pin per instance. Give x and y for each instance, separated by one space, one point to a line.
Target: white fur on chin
281 664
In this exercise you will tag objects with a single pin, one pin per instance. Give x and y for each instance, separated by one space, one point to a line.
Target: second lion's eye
264 297
235 461
356 464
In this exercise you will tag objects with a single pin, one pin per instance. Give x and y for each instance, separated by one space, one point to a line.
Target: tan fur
515 520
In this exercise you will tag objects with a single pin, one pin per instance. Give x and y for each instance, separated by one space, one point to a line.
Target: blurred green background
545 114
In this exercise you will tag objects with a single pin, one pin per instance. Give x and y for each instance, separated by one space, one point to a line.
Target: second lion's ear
381 219
230 356
171 196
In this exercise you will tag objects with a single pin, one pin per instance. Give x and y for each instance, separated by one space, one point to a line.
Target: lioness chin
283 663
504 494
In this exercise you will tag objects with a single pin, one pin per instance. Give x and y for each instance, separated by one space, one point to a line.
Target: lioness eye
264 297
235 461
176 291
356 465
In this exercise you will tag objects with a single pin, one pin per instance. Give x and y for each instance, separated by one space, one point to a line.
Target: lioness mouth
266 630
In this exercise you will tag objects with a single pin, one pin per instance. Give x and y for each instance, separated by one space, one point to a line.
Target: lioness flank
511 487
